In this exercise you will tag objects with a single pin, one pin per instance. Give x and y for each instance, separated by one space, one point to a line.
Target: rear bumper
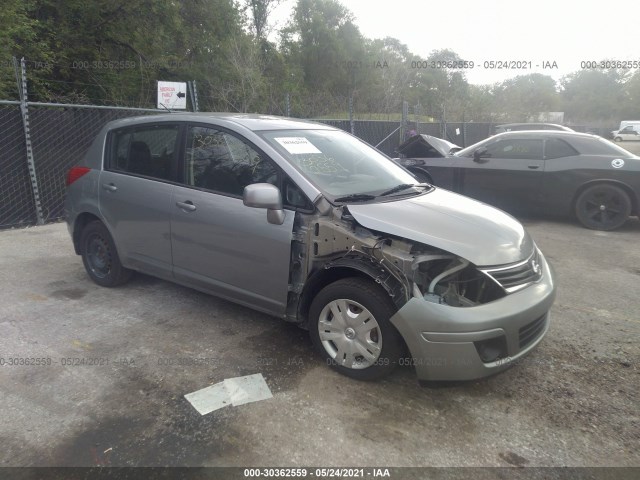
453 343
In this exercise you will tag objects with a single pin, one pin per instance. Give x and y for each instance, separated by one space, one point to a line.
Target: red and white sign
172 95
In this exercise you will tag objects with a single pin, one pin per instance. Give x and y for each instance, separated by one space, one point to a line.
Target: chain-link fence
60 137
32 175
383 135
17 207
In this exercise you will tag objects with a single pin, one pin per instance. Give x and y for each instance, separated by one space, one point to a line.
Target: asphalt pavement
94 376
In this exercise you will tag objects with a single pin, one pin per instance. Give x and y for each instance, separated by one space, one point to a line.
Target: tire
349 342
100 257
603 207
617 139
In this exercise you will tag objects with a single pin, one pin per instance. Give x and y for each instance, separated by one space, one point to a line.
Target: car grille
515 277
531 331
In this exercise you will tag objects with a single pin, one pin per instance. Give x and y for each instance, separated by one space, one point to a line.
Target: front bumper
457 343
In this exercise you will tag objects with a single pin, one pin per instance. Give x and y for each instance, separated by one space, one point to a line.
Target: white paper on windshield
297 145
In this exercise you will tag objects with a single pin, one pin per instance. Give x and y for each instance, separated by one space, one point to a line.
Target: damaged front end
459 318
404 268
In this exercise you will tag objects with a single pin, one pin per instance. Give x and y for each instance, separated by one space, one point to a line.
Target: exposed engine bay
404 268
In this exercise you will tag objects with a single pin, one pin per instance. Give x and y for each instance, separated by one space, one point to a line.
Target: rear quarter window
600 146
556 148
150 151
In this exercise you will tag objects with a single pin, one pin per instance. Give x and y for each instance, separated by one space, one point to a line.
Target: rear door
219 245
136 186
508 176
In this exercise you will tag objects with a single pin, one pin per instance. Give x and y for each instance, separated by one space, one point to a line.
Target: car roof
549 133
532 124
251 121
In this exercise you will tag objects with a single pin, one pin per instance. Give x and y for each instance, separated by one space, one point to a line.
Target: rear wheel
350 327
100 257
603 207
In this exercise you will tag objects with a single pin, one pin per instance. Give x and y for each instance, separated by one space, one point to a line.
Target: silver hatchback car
308 223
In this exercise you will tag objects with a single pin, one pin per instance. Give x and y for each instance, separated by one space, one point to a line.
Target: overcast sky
562 31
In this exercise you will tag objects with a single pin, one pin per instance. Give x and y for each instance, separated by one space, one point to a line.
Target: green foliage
593 95
114 51
525 96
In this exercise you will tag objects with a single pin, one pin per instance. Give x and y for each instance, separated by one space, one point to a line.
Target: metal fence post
404 121
351 123
194 95
21 78
287 103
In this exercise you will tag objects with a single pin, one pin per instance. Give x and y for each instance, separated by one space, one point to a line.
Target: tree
260 11
631 90
386 78
106 51
590 96
248 85
322 40
19 37
524 97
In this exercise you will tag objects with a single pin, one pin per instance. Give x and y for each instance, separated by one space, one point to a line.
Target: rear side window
556 148
150 151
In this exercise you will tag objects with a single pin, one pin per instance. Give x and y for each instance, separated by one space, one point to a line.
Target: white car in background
629 130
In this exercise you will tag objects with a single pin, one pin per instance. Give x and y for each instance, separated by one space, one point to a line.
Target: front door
508 175
219 245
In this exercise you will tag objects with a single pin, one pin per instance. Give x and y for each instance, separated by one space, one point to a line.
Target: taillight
75 173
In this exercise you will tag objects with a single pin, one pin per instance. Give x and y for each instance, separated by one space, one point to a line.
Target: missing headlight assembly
404 268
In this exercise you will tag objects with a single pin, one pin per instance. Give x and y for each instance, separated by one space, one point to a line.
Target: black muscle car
546 171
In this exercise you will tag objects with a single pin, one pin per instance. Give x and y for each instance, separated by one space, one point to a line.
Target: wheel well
320 280
81 221
317 282
628 190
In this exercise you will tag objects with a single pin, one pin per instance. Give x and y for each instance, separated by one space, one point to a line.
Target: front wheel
100 257
350 327
617 139
603 207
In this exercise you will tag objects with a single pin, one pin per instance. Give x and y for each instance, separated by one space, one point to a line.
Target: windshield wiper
356 197
403 186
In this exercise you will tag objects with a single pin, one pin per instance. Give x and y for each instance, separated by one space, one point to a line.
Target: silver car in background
307 223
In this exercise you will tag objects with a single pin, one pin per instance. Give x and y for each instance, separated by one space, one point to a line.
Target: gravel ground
572 402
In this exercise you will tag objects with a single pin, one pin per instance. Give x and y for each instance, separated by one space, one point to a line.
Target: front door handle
109 187
188 205
534 167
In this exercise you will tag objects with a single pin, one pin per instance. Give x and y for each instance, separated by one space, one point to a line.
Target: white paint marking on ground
232 391
251 388
209 399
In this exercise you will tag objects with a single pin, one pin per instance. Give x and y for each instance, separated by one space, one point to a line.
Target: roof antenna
166 108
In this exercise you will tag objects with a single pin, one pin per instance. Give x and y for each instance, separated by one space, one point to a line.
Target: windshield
468 151
340 165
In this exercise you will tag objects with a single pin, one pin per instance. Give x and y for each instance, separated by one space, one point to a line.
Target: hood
475 231
426 146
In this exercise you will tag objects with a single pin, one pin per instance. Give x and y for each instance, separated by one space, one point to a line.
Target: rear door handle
534 167
188 205
110 187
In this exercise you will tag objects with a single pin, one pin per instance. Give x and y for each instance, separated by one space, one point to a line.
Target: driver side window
218 161
523 148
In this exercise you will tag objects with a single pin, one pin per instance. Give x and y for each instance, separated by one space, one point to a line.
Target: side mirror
265 195
478 154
